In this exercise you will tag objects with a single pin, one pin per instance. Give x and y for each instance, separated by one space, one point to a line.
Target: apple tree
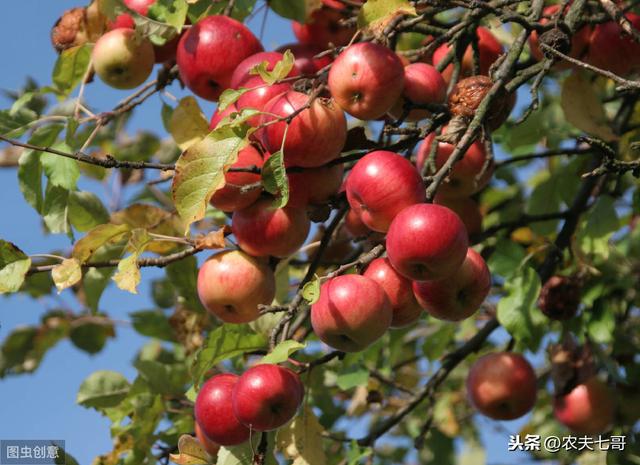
418 218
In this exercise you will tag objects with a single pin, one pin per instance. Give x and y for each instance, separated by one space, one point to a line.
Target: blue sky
42 405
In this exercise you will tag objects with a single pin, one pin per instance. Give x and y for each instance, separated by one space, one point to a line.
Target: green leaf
66 274
230 96
301 439
311 291
14 265
356 453
96 280
187 123
86 211
352 378
601 324
376 14
71 67
96 238
601 223
152 323
436 343
172 12
127 277
183 275
235 455
199 9
225 342
283 351
61 171
506 258
546 198
298 10
280 70
103 389
55 209
15 124
163 378
274 178
190 452
91 337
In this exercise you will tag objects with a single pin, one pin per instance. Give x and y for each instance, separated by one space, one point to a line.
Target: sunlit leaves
102 389
127 277
96 238
601 223
187 123
311 291
14 265
280 71
70 69
298 10
274 178
66 274
376 14
190 452
283 351
301 440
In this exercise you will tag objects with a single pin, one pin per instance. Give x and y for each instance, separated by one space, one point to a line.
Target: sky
42 405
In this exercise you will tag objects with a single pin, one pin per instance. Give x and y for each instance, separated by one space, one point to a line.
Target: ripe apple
458 296
366 80
314 185
427 242
210 446
380 185
214 412
242 74
262 230
210 51
466 208
315 136
422 84
354 225
489 50
588 409
305 54
611 49
231 197
353 312
231 285
122 60
220 115
502 385
324 28
406 309
462 181
267 396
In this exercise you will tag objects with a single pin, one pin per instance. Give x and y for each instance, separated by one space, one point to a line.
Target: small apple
262 230
231 197
406 309
266 397
588 409
323 29
502 385
466 208
314 185
210 51
610 49
214 412
305 56
423 84
353 312
366 80
210 446
122 60
427 242
231 285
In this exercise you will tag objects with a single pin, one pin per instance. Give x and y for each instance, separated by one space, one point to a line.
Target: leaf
357 453
102 389
583 108
96 238
506 258
225 342
229 97
152 323
14 265
191 452
601 223
546 198
86 211
55 209
274 178
213 239
172 12
96 280
16 124
375 15
187 123
91 337
127 277
311 291
163 378
153 219
282 352
298 10
183 274
301 439
518 312
235 455
280 70
61 171
70 68
66 274
352 378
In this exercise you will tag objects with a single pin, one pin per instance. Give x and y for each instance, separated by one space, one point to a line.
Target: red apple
354 225
612 50
210 51
262 230
588 409
267 396
381 185
458 296
324 28
352 313
366 80
220 115
305 58
231 285
427 242
315 136
466 208
406 309
231 197
214 412
314 185
422 84
210 446
462 182
502 385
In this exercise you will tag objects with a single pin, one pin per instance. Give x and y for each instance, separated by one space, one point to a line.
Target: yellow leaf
191 452
375 15
127 277
213 240
188 124
301 439
96 238
66 274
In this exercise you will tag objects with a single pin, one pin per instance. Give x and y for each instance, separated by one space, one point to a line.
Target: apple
210 51
354 225
210 446
353 312
314 185
588 409
242 74
502 385
458 296
462 181
220 115
214 412
366 80
323 29
380 185
427 242
406 309
231 197
611 49
122 60
423 84
262 229
77 26
314 137
489 49
231 285
266 397
305 54
337 4
466 208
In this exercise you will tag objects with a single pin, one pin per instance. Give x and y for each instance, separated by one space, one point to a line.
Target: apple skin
611 50
263 230
121 60
242 74
427 242
466 208
231 285
422 84
231 198
502 385
380 185
305 54
267 396
210 446
214 412
404 305
315 136
462 180
210 51
352 313
366 80
588 409
314 185
323 29
355 227
458 296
